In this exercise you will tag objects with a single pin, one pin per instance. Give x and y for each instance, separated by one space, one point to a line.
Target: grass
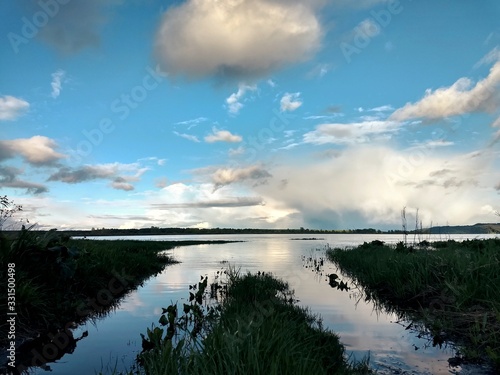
258 329
61 280
452 287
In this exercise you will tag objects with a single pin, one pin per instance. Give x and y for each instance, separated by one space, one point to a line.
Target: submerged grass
259 330
453 287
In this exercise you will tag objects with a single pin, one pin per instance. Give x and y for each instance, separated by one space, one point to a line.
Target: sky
323 114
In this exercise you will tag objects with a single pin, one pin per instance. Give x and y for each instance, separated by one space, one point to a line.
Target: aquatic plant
257 329
452 287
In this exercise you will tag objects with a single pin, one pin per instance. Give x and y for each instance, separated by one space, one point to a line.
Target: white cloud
382 108
345 134
319 70
226 176
289 146
222 136
12 107
367 185
189 137
234 100
236 38
360 186
120 175
56 83
9 178
199 205
290 102
433 144
236 151
460 98
496 123
37 150
121 185
192 123
490 58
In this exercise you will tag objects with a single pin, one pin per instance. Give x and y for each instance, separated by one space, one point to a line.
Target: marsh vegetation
450 288
61 282
256 329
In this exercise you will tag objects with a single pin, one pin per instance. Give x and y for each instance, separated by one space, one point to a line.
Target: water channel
112 342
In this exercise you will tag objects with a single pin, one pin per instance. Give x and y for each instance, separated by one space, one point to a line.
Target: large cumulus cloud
236 38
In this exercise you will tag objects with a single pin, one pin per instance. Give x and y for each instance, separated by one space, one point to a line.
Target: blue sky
250 113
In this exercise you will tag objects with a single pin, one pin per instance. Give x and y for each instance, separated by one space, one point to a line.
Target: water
114 341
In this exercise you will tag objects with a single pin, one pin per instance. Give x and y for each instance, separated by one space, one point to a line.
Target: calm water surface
114 341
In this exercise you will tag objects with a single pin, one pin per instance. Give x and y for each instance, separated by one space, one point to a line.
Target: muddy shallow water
113 341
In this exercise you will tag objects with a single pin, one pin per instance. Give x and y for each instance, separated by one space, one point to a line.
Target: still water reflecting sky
114 341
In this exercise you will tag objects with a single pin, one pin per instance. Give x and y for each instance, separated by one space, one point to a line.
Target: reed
56 277
259 329
452 287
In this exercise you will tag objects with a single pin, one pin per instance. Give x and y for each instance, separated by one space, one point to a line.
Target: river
113 341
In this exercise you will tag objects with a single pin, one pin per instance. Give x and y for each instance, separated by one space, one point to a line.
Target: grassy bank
452 287
60 281
258 329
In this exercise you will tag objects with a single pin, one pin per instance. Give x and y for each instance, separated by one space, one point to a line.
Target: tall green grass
259 330
452 286
60 280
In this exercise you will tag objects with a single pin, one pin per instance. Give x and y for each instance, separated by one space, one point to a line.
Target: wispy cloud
222 136
290 102
490 58
324 117
382 108
432 143
192 123
189 137
153 159
224 202
348 134
289 146
319 70
12 107
56 83
236 151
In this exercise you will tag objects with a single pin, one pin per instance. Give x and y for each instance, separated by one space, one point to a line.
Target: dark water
113 342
